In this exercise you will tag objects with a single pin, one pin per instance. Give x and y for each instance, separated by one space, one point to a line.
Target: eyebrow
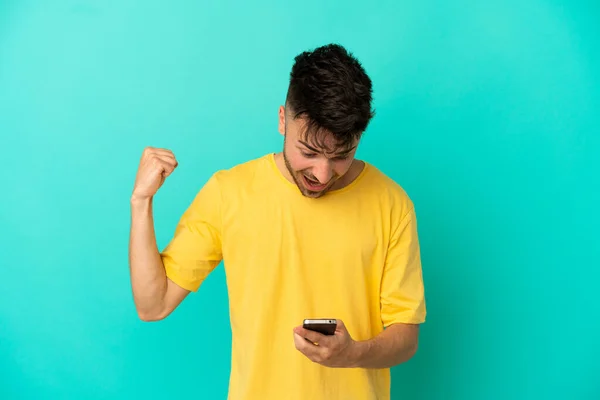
309 147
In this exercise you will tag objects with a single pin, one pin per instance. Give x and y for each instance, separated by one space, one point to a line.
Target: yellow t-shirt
352 254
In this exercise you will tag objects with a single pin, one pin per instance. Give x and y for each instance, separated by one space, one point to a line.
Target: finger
162 160
340 327
169 160
166 154
163 167
302 344
317 354
308 349
314 337
168 169
158 150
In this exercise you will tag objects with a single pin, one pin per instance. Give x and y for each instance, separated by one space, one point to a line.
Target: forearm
395 345
148 277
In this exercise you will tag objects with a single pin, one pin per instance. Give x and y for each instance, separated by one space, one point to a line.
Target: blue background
488 114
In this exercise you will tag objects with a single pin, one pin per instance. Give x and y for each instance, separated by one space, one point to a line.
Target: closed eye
342 157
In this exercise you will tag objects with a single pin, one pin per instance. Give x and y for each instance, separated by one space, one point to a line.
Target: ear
282 120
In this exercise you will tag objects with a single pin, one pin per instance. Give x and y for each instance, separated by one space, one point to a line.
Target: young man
311 232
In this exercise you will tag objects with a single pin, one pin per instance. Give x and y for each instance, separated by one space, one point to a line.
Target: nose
323 171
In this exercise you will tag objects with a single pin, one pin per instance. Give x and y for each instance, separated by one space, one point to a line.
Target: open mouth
313 185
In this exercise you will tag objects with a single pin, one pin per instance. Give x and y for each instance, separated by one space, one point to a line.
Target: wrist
359 351
140 204
140 200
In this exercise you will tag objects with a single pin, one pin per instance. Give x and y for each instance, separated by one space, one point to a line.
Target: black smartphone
326 326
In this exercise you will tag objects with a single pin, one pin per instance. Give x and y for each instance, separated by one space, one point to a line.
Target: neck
349 177
280 162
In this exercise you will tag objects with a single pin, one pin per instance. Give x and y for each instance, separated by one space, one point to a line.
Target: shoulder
384 185
242 174
390 192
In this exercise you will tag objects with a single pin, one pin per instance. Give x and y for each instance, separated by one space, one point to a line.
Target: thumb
341 327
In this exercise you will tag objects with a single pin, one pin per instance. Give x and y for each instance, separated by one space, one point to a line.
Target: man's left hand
337 350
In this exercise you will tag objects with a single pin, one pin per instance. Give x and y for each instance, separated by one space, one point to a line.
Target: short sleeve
195 249
402 288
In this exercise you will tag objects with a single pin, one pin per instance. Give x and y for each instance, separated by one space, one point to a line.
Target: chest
313 234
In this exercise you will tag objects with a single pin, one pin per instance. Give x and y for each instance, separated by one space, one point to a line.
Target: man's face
315 169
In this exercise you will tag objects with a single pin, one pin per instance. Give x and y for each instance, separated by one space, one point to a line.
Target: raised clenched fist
155 166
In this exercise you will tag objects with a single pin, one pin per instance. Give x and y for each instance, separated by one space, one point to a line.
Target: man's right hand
155 166
154 294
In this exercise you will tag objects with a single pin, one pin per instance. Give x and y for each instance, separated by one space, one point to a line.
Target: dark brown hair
330 89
